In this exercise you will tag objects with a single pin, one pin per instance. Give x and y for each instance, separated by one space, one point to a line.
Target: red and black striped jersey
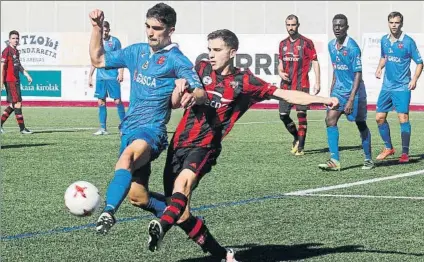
297 57
229 97
12 64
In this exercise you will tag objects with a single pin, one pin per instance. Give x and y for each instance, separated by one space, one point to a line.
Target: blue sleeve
415 54
121 58
383 55
118 44
184 69
356 60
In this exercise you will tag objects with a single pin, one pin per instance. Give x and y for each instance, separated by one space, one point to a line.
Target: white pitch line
362 196
363 182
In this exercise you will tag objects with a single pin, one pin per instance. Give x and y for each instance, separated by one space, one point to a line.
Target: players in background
108 82
349 88
10 69
397 50
296 53
196 143
154 67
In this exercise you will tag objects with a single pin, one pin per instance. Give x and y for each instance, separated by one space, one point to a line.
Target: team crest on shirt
345 52
400 45
285 48
299 47
234 84
207 80
109 43
143 54
145 65
161 60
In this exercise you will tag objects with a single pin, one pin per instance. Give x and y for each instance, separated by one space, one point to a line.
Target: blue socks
117 190
121 111
366 142
384 130
333 141
156 205
405 132
102 116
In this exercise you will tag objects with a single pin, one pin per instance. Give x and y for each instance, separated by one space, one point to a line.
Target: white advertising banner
258 52
37 48
371 52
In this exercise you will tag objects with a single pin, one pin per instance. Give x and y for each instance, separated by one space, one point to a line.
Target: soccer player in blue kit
348 87
397 50
108 82
154 67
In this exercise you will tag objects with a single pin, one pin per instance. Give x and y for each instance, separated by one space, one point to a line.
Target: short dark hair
13 32
290 17
395 14
229 38
106 24
164 14
341 16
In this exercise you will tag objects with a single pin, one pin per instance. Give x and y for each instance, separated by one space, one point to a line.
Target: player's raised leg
134 156
333 140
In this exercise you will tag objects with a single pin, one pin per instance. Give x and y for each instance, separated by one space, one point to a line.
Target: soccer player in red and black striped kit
10 68
196 143
296 53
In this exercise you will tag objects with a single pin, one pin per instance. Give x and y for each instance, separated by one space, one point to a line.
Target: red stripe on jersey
194 132
180 128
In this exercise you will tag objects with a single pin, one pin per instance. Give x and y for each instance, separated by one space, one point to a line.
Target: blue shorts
157 140
359 111
108 88
400 100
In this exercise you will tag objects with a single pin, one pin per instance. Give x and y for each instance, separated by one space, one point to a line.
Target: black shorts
13 91
197 159
285 107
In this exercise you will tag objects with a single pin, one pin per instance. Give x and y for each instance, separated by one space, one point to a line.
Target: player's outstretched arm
96 44
302 98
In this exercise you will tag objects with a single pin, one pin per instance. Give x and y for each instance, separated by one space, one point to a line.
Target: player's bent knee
117 101
101 102
17 105
403 118
380 118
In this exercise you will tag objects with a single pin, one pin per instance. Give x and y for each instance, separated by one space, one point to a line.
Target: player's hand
90 82
333 103
349 107
285 77
378 73
412 84
187 100
181 85
29 79
317 88
97 17
120 78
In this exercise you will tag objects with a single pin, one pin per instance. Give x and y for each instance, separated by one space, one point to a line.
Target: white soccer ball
82 198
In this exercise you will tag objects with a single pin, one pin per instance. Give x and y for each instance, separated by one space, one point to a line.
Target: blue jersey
346 62
398 57
112 44
153 78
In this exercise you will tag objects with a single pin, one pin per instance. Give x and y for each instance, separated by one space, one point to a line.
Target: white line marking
363 182
363 196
